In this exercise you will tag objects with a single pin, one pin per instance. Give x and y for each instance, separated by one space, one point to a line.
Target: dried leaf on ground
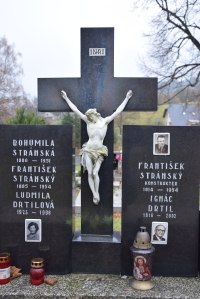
14 272
50 280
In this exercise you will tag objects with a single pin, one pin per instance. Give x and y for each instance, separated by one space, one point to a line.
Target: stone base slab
96 286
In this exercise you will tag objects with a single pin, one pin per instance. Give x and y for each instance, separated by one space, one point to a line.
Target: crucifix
97 88
93 151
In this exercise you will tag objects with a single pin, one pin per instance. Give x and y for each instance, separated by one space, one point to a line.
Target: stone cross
97 88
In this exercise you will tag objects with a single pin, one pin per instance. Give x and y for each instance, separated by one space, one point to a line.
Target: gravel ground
84 286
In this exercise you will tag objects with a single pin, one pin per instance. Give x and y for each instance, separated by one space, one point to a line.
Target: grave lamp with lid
37 271
142 253
4 267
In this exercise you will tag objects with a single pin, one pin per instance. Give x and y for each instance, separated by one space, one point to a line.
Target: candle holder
37 271
142 253
4 267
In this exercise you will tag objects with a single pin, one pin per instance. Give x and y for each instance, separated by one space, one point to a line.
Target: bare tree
174 43
11 90
30 104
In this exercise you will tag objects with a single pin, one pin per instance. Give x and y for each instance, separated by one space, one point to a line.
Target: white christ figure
93 151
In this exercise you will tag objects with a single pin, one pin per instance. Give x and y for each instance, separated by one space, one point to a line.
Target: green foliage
77 223
116 223
78 170
70 118
25 119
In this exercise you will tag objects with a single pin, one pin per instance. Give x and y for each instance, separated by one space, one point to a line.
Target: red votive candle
37 271
4 268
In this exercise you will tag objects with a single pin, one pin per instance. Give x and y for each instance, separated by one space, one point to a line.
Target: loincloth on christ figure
94 154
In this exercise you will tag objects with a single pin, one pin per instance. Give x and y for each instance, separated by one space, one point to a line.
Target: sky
47 34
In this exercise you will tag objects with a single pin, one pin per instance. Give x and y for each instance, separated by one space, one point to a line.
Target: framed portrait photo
161 144
159 232
33 230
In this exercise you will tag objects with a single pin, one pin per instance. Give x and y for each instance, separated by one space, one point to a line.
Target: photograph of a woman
33 229
141 270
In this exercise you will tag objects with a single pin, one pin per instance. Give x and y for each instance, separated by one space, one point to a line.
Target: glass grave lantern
142 254
4 268
37 271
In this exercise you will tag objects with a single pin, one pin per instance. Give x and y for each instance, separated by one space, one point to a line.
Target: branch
175 94
184 26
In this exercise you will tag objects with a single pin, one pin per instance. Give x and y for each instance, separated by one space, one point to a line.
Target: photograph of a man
161 143
159 232
32 230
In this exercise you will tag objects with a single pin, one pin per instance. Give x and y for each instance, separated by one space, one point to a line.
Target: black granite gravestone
36 186
162 187
97 88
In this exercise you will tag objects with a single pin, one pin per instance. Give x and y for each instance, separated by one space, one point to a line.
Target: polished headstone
97 88
102 255
162 188
36 183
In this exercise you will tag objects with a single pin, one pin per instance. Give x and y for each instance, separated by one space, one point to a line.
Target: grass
116 222
137 118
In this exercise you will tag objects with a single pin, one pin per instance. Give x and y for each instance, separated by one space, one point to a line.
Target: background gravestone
36 183
176 178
